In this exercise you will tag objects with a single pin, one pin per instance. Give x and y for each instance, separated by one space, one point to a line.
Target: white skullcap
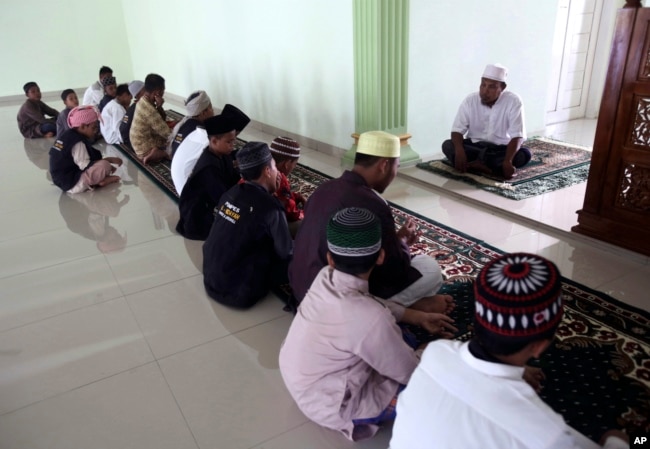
379 143
496 72
135 87
198 104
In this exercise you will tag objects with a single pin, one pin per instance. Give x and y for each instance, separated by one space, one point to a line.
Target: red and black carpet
598 369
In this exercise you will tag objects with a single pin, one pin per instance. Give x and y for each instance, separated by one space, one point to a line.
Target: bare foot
155 155
435 304
108 180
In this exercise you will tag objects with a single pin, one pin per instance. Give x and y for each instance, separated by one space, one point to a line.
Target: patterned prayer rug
597 370
554 165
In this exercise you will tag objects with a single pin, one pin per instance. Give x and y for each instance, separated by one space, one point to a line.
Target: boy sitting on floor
136 89
190 149
213 174
113 114
110 90
93 95
249 245
70 101
75 165
286 152
481 393
149 130
31 116
344 359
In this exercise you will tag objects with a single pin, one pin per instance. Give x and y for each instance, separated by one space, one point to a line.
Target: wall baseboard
305 142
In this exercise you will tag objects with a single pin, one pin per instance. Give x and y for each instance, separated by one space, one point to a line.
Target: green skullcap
354 232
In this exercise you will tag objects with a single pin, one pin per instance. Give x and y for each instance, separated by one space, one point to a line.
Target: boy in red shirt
286 152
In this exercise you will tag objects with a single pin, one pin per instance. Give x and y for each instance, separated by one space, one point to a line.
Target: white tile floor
107 339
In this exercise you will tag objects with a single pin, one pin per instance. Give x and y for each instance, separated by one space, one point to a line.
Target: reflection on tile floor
107 338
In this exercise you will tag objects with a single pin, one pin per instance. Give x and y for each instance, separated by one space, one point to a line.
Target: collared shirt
349 190
148 130
344 356
112 115
497 124
186 155
455 400
31 115
94 94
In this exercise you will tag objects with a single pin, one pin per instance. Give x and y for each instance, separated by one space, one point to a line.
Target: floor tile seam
565 236
164 283
306 421
56 315
67 312
46 267
61 393
178 405
215 339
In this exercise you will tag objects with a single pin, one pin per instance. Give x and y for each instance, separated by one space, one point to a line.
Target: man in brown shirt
149 131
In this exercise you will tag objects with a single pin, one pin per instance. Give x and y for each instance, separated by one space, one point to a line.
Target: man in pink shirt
344 359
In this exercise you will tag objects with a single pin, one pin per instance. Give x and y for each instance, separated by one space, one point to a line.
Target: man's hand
408 232
434 323
299 198
460 161
534 377
508 169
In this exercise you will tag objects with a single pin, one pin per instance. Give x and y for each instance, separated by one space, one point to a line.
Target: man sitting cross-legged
149 130
199 108
213 174
481 393
192 146
489 129
249 245
75 165
410 284
344 359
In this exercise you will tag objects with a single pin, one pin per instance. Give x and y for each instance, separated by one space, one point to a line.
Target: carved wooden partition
617 202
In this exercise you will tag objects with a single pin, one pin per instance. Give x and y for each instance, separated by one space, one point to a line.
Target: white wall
286 63
451 41
61 44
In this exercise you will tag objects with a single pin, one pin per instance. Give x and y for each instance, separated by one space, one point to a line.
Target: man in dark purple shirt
410 282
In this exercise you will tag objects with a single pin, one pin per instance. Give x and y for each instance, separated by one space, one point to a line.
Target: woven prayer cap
354 232
286 147
379 143
109 80
518 295
253 154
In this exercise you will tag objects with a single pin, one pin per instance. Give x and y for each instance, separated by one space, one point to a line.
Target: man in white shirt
95 91
191 147
113 114
481 394
489 129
